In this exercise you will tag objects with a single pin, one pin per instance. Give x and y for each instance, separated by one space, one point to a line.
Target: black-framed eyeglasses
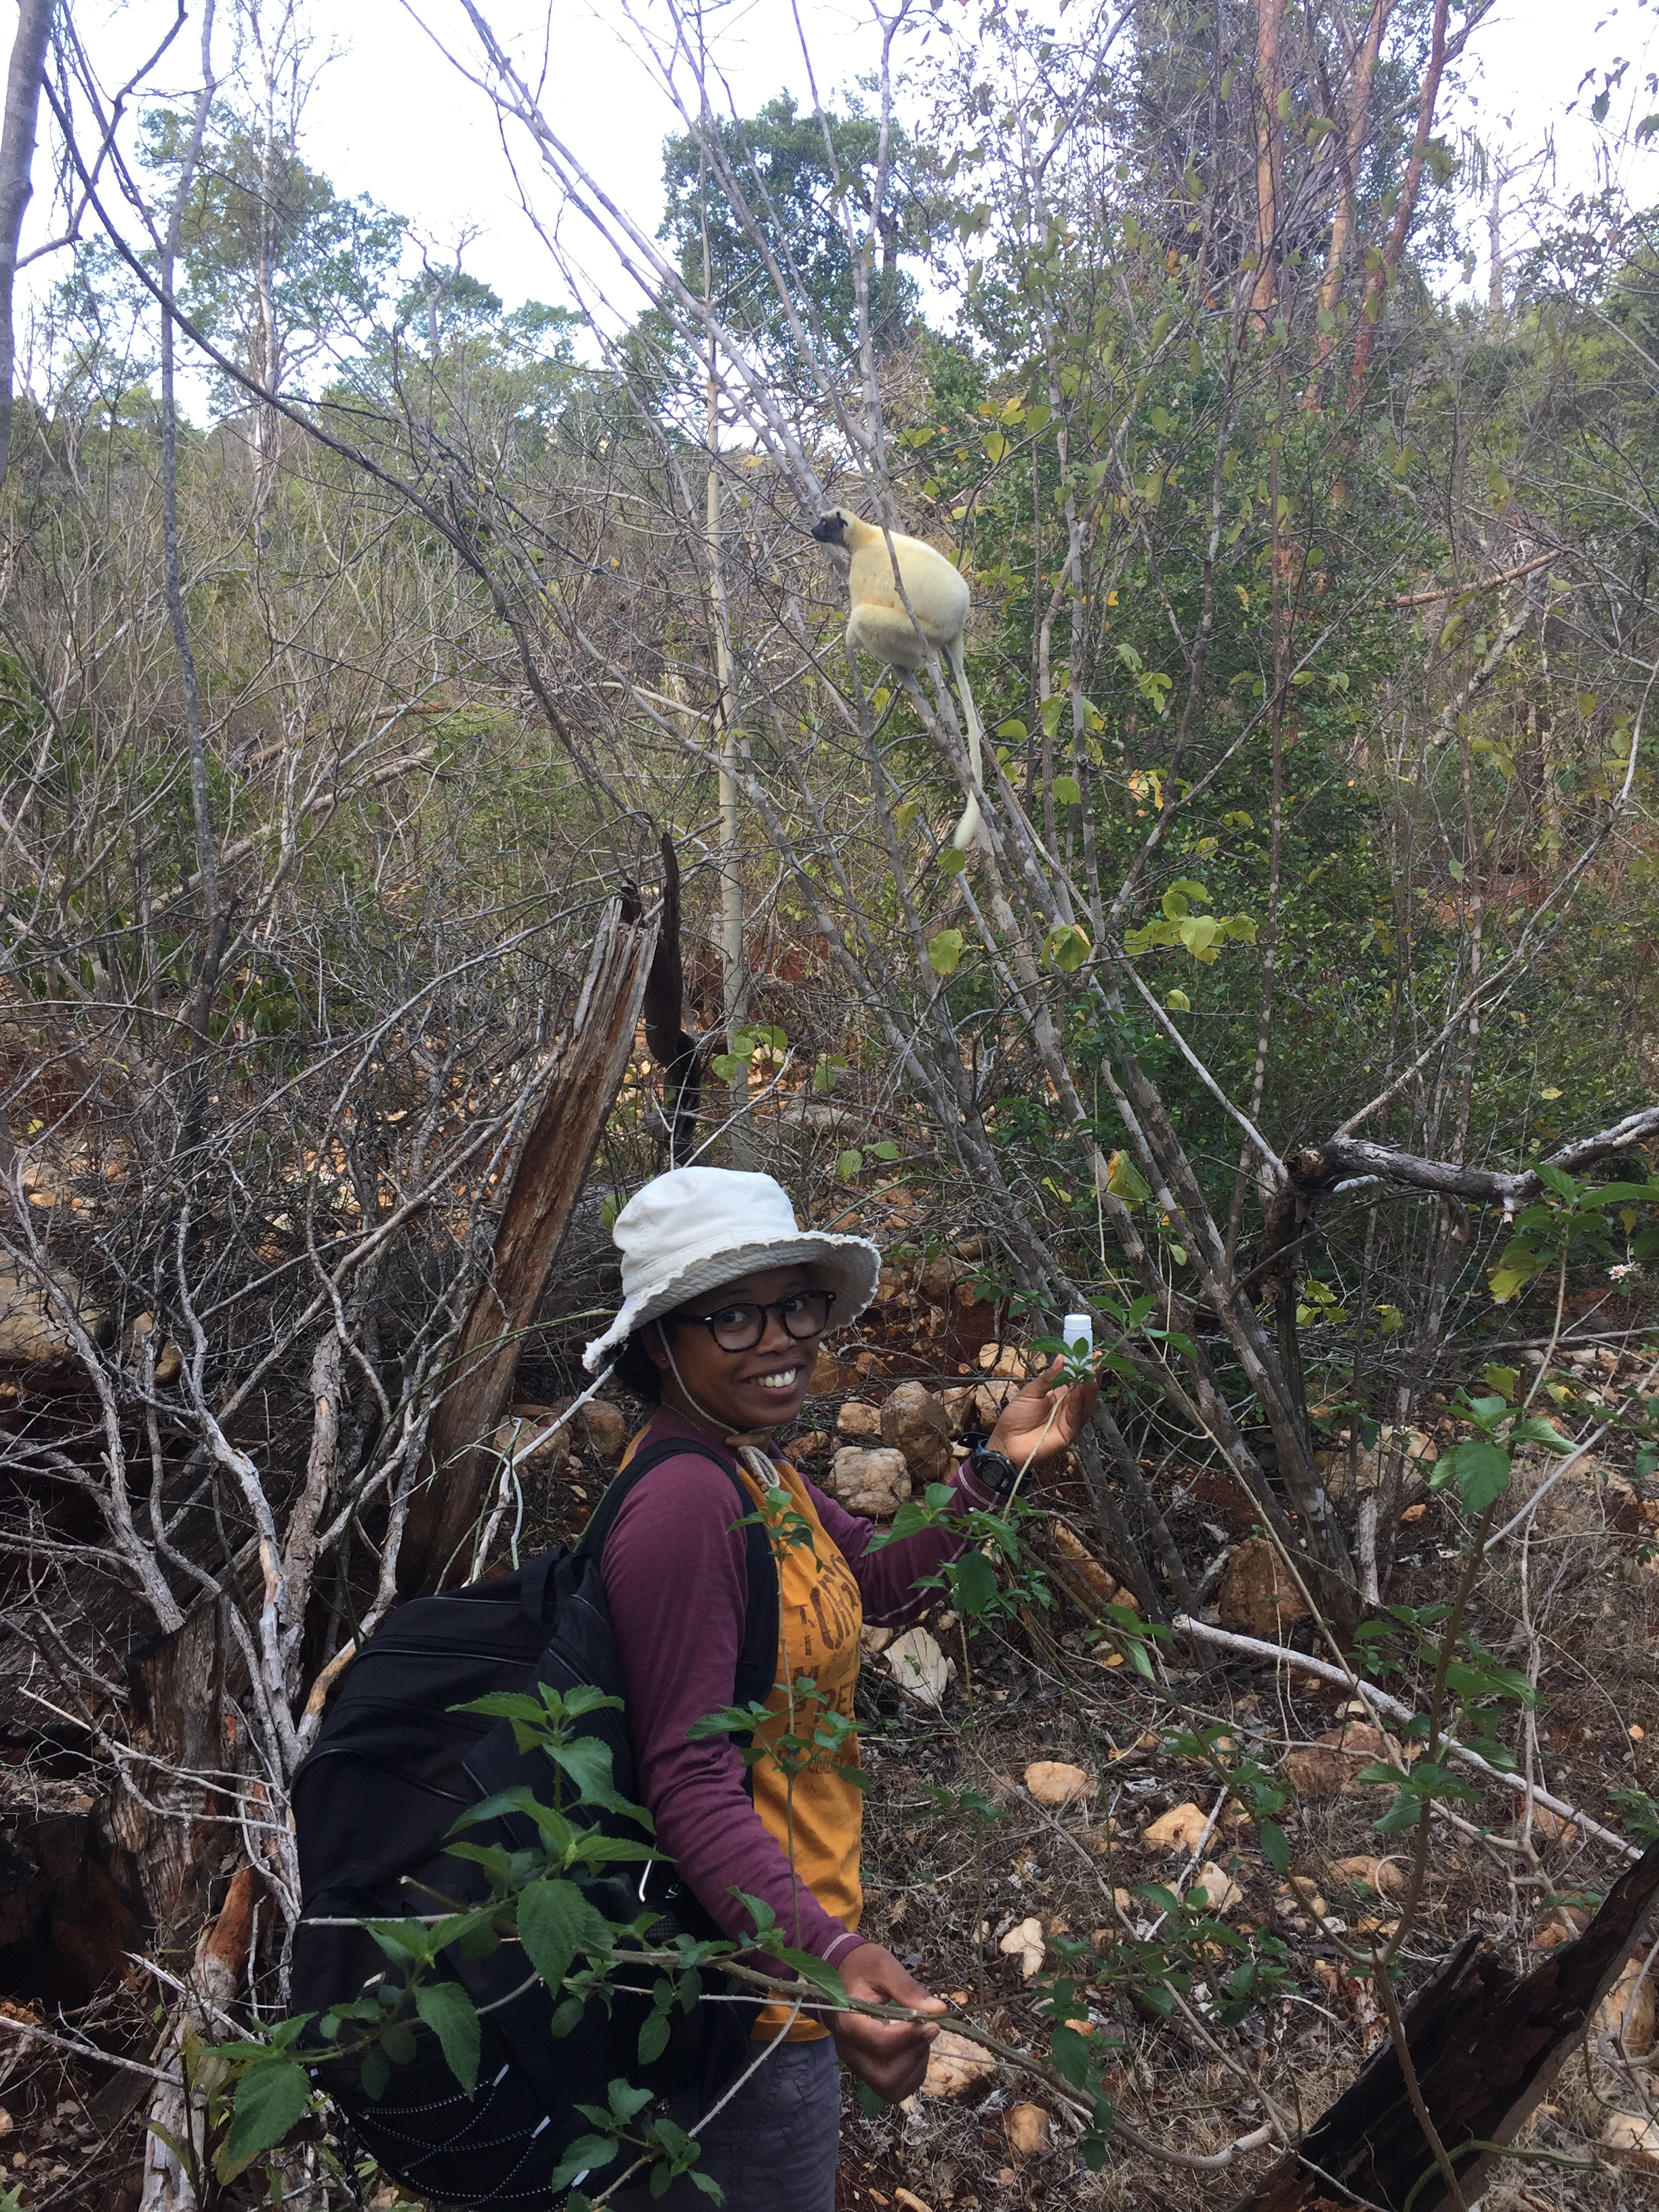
740 1326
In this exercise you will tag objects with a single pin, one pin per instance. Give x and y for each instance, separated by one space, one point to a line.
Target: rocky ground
1028 1784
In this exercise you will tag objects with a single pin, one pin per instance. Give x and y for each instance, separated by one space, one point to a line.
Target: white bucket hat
695 1229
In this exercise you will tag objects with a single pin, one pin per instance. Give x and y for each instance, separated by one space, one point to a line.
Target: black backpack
374 1801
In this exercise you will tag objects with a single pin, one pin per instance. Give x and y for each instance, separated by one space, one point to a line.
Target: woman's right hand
891 2055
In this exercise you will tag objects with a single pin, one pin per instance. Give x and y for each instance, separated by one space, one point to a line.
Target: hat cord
745 1441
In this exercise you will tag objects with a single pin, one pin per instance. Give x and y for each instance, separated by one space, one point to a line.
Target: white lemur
881 622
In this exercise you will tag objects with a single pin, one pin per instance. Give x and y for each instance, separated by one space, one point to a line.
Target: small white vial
1079 1325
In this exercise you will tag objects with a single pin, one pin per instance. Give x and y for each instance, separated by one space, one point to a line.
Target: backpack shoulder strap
757 1655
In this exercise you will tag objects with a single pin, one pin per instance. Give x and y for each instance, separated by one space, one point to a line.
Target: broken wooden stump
585 1071
1485 2045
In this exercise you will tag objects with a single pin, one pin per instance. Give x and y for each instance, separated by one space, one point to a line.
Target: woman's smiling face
759 1388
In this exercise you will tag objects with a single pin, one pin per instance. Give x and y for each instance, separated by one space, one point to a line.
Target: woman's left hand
1041 1424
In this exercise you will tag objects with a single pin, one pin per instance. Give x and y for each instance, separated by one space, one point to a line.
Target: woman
725 1302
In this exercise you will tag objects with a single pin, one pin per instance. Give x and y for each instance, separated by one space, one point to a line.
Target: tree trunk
588 1064
1485 2046
1342 227
1269 21
1378 282
28 61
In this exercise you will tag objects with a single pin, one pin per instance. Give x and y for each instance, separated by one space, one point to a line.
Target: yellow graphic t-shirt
817 1817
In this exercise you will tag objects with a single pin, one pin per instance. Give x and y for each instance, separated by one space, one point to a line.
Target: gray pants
775 2144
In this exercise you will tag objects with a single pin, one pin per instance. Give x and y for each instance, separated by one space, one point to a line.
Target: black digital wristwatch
993 1468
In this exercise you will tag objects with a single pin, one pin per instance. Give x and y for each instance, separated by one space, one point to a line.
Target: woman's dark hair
637 1372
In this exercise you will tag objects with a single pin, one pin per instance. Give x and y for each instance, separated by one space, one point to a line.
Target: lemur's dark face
831 529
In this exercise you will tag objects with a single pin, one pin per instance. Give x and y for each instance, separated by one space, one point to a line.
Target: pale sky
390 117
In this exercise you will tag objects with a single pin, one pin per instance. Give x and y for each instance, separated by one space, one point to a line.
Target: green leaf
945 951
1536 1430
886 1150
1519 1264
1178 1002
974 1583
451 2014
270 2098
552 1916
869 2104
1504 1380
1275 1848
1177 900
995 445
951 862
1071 2055
1068 791
653 2036
1124 1179
587 1763
1198 933
847 1165
813 1970
1482 1471
583 2156
1069 947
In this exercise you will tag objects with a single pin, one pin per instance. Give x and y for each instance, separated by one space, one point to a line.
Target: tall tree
28 61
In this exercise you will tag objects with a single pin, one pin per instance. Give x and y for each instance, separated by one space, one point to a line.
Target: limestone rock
32 1332
1180 1829
919 1667
1005 1361
939 1278
606 1426
169 1360
989 1398
1546 1823
959 1408
807 1447
1565 1922
1634 2137
857 1419
1088 1569
1256 1594
1386 1876
1218 1887
522 1426
873 1483
1023 1941
1029 2130
1051 1782
1627 2010
955 2066
1334 1763
1306 1889
913 1421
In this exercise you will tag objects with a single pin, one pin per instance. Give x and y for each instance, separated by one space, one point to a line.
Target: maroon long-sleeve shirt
676 1581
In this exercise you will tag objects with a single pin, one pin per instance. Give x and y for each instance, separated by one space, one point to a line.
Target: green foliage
1481 1465
801 206
1571 1221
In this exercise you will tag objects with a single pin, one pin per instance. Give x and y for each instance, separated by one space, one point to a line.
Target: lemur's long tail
968 828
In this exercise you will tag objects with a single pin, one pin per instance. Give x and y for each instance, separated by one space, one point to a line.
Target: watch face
994 1467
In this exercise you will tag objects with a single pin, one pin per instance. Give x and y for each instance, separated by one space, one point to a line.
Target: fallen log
1485 2046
